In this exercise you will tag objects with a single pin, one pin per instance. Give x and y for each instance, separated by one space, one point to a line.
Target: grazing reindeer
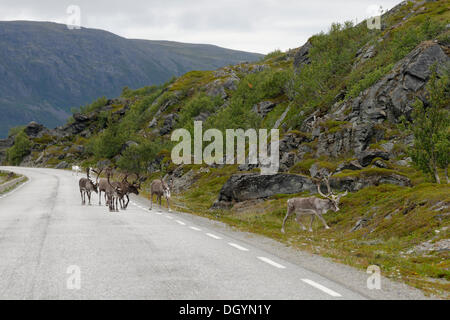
87 186
76 170
160 189
313 206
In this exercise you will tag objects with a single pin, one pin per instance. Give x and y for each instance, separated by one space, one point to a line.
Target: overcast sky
256 25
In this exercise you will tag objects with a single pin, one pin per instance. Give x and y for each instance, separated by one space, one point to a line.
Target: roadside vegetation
6 177
402 229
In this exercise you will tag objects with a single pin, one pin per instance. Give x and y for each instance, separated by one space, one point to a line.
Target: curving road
52 247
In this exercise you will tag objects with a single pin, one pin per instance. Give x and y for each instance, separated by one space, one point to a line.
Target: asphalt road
52 247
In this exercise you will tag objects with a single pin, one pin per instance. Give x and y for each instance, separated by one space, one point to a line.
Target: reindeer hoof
310 230
328 228
282 231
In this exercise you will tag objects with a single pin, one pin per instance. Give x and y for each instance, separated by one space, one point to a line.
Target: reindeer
313 206
129 188
87 186
112 192
160 188
76 170
102 187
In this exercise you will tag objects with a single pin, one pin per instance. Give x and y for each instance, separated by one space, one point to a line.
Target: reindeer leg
81 194
288 214
323 220
128 201
312 220
299 221
168 204
100 198
151 201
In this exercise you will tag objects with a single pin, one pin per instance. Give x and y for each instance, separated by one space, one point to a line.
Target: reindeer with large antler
314 206
126 188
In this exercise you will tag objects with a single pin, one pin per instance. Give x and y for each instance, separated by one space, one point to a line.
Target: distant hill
45 68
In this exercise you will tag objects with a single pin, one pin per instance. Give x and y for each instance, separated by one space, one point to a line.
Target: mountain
45 68
345 104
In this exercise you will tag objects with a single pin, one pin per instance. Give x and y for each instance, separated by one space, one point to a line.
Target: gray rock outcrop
250 186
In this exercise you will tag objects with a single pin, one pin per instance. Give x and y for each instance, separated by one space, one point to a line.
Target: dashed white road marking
158 213
169 217
322 288
195 228
180 222
237 246
273 263
213 236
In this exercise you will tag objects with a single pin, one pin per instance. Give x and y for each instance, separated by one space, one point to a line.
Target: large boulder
250 186
394 95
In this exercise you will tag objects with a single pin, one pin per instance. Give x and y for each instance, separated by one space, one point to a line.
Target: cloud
251 25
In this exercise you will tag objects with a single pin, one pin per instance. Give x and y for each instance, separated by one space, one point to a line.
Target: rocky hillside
344 104
46 69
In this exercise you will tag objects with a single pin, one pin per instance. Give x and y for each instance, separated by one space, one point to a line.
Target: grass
399 219
192 79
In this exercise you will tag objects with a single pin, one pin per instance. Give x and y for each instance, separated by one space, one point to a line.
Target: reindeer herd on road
117 193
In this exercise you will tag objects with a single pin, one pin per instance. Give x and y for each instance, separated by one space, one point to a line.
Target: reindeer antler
125 177
98 172
326 179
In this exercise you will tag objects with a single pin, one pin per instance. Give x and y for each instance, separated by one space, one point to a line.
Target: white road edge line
14 190
195 228
237 246
180 222
169 217
322 288
273 263
213 236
